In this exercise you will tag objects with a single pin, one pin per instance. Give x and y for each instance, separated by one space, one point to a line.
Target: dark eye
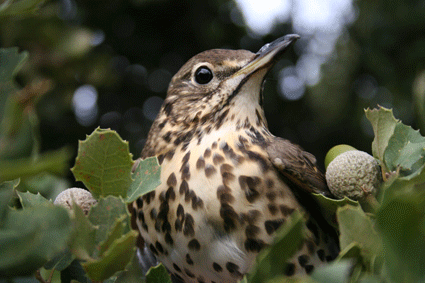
203 75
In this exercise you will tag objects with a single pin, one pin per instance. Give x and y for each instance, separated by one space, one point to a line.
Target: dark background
127 51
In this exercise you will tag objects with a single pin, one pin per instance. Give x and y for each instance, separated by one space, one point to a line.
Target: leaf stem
39 277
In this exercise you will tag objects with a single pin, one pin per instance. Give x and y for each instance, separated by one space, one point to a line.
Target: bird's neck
166 135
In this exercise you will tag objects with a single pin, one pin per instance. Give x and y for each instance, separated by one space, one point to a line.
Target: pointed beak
268 55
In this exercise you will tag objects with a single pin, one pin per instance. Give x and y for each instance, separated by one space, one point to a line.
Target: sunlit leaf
329 206
383 123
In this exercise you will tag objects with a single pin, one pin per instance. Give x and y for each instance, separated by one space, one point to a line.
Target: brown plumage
227 182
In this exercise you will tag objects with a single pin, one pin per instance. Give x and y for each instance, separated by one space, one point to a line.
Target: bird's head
219 87
214 80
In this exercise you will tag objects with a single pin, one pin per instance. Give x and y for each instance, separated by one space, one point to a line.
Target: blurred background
108 63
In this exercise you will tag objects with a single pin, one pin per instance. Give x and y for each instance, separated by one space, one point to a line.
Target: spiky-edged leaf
104 164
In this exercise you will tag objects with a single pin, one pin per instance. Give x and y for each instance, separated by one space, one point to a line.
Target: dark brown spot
141 216
184 187
153 214
217 159
169 155
152 248
233 269
209 170
214 145
225 168
180 211
272 208
252 231
285 210
167 137
200 164
269 183
329 258
159 247
177 278
229 216
249 185
185 172
189 195
178 225
149 197
172 180
189 260
224 194
200 280
194 245
271 196
309 268
197 203
272 225
207 153
160 158
186 157
227 177
264 165
259 119
303 260
168 239
254 245
188 228
252 216
189 273
176 267
170 194
139 203
290 269
217 267
321 254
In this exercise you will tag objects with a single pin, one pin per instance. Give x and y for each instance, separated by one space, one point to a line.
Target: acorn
352 173
82 198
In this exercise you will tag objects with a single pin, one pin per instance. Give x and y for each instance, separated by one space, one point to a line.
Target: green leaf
336 272
401 223
329 206
19 7
6 194
74 273
383 123
84 234
60 261
11 61
104 164
48 185
114 259
28 199
132 273
104 215
158 274
272 260
405 151
356 227
119 228
146 178
55 162
32 236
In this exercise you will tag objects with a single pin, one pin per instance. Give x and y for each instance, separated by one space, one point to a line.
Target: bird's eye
203 75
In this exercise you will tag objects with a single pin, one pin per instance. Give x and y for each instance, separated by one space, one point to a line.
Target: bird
227 183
